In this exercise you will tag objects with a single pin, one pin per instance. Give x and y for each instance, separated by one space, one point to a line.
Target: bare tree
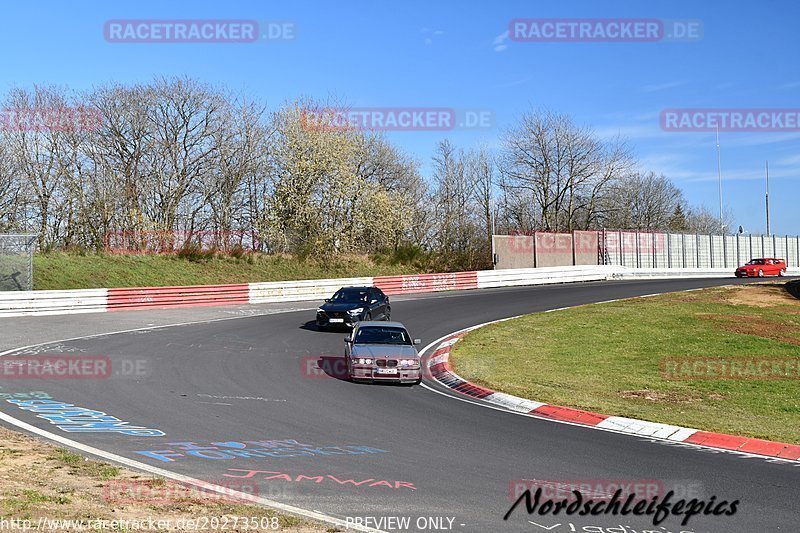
41 155
12 194
643 201
702 220
560 168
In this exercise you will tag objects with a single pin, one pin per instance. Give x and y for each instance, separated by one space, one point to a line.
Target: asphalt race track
252 379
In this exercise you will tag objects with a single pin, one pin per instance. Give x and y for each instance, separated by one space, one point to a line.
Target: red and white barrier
126 299
169 297
298 291
542 276
418 283
26 303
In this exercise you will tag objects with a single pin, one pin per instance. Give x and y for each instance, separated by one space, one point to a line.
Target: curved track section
243 403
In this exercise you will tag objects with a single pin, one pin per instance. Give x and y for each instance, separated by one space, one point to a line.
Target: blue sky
453 54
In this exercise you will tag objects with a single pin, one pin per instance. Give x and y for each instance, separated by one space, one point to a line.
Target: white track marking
148 328
310 514
673 438
314 515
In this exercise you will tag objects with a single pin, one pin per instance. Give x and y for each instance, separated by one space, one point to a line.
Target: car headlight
356 311
408 362
320 310
364 361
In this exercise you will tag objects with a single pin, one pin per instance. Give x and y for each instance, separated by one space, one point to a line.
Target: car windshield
756 262
382 335
350 296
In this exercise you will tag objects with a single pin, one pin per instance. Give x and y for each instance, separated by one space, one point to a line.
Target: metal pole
30 264
683 248
767 196
638 252
724 251
738 255
621 251
603 247
719 175
574 259
669 251
494 254
653 244
697 249
711 250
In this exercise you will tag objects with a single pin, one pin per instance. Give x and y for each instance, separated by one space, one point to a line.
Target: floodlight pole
719 177
767 196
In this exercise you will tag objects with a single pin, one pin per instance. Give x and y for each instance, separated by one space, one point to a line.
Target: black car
350 305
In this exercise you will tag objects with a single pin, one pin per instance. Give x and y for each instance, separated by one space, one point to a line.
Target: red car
766 266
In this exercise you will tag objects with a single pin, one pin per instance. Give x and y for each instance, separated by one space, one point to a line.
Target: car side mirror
327 300
417 341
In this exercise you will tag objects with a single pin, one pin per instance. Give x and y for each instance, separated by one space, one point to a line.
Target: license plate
336 320
387 371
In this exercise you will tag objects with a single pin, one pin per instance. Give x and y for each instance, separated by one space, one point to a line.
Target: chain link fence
16 262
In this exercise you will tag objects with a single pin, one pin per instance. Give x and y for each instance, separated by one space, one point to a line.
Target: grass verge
607 358
42 481
86 271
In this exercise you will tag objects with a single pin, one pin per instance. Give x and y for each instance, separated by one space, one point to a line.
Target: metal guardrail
303 290
418 283
108 300
169 297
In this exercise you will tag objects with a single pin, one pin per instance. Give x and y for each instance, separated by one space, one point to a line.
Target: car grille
336 314
386 363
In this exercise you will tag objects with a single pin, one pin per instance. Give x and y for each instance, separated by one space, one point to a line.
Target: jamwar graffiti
328 479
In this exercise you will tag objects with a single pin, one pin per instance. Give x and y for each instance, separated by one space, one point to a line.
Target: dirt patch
760 296
667 397
754 325
42 481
